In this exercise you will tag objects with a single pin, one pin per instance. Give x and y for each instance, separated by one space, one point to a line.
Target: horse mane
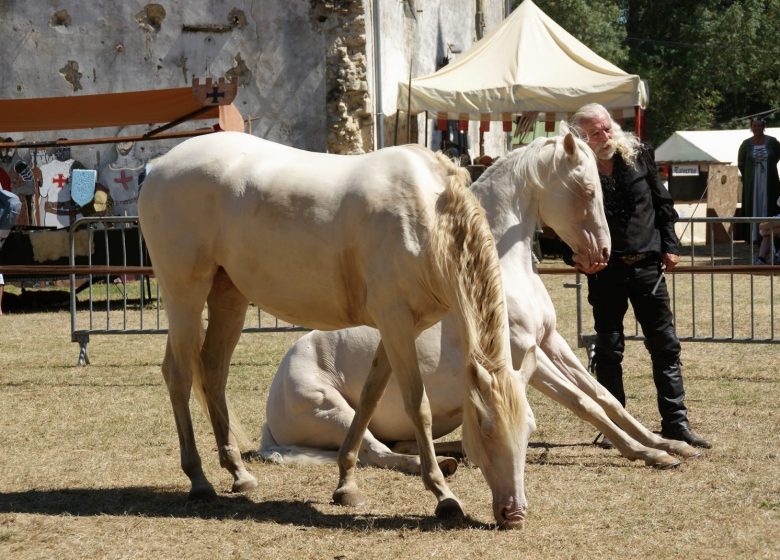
522 160
465 251
465 254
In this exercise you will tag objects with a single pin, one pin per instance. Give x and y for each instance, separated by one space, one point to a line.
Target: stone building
320 75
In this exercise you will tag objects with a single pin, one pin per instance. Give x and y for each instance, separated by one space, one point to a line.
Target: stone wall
348 104
271 47
304 67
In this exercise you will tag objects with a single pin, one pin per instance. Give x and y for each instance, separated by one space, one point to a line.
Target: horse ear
481 378
569 145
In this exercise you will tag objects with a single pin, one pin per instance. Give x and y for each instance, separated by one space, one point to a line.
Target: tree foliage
709 63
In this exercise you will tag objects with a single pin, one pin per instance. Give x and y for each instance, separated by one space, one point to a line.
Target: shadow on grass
152 502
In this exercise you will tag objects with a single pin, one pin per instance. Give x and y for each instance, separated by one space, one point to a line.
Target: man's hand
592 268
669 260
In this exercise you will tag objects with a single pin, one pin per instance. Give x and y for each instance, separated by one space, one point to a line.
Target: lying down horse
391 239
308 408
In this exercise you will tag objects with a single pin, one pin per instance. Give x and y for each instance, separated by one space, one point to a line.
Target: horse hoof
450 510
202 494
664 463
348 498
688 451
245 484
448 465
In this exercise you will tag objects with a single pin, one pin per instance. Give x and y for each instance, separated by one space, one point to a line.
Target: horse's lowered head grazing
495 409
579 220
497 423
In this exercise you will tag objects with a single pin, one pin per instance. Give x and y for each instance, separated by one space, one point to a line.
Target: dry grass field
89 466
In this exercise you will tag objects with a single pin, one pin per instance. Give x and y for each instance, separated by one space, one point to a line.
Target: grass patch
90 466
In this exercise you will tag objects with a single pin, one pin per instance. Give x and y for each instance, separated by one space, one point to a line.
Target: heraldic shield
82 186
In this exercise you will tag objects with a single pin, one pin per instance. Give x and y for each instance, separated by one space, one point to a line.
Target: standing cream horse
308 408
391 239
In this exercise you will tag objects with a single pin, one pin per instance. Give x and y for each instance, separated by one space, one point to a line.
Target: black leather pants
609 292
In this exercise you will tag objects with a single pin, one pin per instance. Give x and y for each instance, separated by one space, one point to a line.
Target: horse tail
465 257
235 427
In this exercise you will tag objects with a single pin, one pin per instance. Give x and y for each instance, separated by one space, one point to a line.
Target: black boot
671 395
683 432
608 369
671 405
607 364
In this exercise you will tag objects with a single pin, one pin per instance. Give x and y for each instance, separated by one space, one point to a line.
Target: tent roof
714 146
200 101
528 63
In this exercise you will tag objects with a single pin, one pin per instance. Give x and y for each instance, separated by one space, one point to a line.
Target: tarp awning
527 64
210 100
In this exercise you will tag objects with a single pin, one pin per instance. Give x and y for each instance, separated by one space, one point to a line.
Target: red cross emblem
61 180
123 180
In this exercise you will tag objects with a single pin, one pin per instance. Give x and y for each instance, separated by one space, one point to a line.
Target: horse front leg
561 354
402 354
551 382
347 493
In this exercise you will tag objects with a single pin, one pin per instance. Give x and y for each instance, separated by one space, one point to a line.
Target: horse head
497 422
571 201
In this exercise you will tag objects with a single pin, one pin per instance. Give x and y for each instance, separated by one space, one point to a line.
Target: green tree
708 62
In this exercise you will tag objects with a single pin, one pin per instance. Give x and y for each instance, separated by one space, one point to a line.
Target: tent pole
426 129
638 121
409 101
395 133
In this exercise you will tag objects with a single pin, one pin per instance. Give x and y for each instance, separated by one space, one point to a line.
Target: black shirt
640 211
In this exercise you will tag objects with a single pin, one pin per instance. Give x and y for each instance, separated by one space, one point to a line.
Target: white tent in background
527 64
701 146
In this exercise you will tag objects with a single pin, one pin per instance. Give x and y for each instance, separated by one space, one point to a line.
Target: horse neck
511 205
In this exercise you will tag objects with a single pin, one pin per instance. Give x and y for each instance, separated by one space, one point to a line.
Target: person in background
640 214
757 161
10 206
768 230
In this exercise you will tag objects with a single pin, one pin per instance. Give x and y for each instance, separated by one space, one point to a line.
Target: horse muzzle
510 516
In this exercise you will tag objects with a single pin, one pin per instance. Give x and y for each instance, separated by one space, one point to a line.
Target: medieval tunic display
121 178
57 208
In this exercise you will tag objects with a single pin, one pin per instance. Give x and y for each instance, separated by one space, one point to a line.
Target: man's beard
606 150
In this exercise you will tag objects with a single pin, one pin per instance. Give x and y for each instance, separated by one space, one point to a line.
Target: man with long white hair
640 213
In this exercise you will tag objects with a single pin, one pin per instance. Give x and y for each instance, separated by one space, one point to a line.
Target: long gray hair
626 144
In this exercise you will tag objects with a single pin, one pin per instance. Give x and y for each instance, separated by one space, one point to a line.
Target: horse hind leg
226 312
181 363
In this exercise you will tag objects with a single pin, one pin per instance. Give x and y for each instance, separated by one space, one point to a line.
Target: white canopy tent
715 146
529 64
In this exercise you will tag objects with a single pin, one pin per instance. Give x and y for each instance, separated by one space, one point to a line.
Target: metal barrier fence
116 293
717 294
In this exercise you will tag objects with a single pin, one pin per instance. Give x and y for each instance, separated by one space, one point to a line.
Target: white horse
309 403
391 239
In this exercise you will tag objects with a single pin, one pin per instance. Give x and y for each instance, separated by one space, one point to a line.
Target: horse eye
488 429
